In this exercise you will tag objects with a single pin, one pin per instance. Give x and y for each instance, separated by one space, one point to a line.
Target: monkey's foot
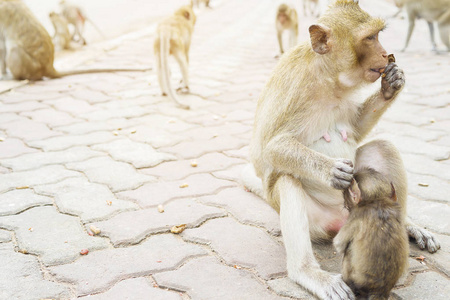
327 137
183 90
424 238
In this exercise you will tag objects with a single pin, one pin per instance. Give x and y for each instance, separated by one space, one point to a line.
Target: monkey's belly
336 147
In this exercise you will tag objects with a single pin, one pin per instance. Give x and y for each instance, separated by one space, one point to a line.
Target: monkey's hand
392 81
341 173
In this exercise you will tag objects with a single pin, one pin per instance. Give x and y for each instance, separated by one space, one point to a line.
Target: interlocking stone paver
44 175
21 278
99 270
419 164
222 235
9 118
205 278
433 215
55 237
51 117
70 105
286 287
239 153
155 136
116 112
428 285
22 106
118 176
161 122
151 194
90 96
112 125
37 160
15 201
440 259
132 227
68 141
205 164
410 130
135 288
139 155
428 187
90 201
233 173
210 132
194 149
11 147
28 130
14 96
5 236
247 208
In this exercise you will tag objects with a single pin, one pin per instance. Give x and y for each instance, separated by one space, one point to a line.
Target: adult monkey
307 129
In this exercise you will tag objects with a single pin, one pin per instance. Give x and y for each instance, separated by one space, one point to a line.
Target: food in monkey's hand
391 59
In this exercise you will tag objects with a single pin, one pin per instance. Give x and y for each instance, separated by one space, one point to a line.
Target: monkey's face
371 56
283 18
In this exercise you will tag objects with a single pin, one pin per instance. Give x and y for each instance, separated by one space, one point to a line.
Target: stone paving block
15 201
151 194
428 187
232 173
432 215
55 237
205 164
247 208
211 132
205 278
90 201
112 125
135 288
22 106
99 270
40 159
44 175
139 155
420 164
241 245
425 285
166 123
51 117
21 278
132 227
9 118
118 176
113 113
285 287
29 130
69 141
12 147
154 136
5 236
90 96
409 130
70 105
438 260
14 96
239 153
194 149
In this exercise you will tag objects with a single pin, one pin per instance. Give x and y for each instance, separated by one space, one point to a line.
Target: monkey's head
367 186
188 13
347 37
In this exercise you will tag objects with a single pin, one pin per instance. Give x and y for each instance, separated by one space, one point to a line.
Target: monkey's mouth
379 70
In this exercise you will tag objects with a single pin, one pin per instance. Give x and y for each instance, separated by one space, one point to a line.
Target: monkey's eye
372 37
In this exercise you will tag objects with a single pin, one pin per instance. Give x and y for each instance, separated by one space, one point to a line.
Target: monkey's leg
182 62
23 66
159 71
433 43
423 237
411 23
301 263
444 33
78 31
3 57
280 40
292 38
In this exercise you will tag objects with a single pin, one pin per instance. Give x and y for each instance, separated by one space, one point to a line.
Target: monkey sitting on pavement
374 241
174 37
62 36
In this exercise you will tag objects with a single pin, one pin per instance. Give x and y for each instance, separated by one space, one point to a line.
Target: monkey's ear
355 192
320 38
187 15
393 194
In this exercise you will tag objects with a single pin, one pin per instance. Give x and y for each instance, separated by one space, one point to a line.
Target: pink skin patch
344 135
336 225
327 137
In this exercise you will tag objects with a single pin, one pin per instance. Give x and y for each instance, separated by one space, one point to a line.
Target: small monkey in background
77 17
431 11
173 36
197 3
26 48
62 37
374 241
286 20
313 94
311 6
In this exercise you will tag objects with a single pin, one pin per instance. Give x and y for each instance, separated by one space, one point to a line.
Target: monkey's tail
164 57
251 181
58 74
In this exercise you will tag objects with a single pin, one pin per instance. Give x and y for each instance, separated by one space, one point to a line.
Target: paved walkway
106 150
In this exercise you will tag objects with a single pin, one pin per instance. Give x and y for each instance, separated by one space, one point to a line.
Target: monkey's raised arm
375 106
285 153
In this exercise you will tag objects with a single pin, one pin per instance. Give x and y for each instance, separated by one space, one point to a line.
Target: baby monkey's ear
355 192
393 194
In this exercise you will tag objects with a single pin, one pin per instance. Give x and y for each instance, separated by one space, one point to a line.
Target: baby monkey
374 239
